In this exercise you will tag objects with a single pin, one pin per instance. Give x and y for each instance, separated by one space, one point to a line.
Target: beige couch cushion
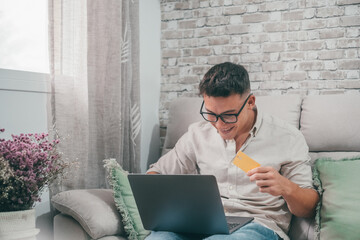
285 107
182 113
98 218
328 125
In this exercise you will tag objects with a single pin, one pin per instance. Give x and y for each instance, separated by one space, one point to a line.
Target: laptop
189 204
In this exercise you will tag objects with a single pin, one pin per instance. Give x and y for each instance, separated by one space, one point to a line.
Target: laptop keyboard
232 225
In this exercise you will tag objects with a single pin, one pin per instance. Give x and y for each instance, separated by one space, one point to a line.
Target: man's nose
220 123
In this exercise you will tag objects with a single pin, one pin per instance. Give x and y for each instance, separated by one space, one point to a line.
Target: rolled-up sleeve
298 170
180 160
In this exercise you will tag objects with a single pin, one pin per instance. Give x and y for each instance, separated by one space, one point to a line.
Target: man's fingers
262 183
265 189
258 176
259 170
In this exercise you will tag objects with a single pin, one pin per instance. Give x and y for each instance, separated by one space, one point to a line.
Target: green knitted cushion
125 201
337 214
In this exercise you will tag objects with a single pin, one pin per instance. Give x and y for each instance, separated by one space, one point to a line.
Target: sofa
330 124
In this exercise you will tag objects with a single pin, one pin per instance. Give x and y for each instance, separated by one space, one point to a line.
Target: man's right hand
152 173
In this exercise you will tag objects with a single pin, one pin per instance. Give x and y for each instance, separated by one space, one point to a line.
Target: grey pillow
94 209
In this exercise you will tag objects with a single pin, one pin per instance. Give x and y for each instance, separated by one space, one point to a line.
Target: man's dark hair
225 79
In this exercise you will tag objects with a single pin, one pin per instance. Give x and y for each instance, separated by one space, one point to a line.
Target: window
24 35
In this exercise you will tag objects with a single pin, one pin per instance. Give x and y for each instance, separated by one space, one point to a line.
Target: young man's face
231 105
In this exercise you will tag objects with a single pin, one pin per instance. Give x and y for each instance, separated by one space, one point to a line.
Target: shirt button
231 187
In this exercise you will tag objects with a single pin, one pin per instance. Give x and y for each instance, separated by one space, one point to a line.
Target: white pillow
94 209
285 107
330 123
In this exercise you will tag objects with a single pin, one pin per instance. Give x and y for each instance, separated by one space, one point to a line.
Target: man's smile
226 130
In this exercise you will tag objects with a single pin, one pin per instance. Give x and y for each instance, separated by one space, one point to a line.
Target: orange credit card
244 162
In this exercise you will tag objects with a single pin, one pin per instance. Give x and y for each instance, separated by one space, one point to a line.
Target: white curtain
95 86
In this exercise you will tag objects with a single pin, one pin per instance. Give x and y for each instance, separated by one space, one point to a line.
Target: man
281 186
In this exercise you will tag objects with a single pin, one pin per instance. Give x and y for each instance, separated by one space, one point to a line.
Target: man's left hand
269 181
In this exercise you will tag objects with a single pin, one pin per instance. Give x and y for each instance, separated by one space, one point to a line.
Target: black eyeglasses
226 118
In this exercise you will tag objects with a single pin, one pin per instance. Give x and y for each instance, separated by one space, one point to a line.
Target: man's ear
251 102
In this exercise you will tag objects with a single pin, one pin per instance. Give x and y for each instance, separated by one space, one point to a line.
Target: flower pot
18 225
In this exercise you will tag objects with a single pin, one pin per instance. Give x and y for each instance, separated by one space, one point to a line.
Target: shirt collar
259 117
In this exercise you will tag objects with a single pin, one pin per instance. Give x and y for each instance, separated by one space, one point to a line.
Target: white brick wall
301 46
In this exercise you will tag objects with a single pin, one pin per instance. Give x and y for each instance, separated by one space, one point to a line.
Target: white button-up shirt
272 142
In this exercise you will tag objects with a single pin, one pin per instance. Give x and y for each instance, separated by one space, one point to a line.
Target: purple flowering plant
28 162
